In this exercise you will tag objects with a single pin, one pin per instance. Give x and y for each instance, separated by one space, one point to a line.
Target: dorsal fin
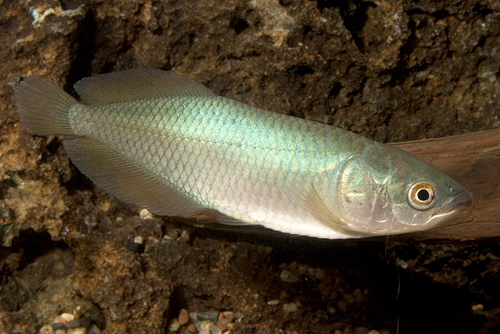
137 84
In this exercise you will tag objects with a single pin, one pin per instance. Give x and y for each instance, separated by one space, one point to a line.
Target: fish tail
43 107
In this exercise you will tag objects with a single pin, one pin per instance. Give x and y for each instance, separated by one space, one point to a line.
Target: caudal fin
43 107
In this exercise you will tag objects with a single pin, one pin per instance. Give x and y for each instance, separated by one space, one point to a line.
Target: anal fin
214 216
127 181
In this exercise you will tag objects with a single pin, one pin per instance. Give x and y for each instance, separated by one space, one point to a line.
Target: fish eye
421 195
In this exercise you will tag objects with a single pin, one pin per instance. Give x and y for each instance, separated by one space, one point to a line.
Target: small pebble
358 295
67 316
350 298
302 269
85 322
209 315
360 330
78 312
402 264
287 276
222 323
206 325
47 329
373 331
90 221
312 271
215 330
58 325
74 323
343 305
273 302
80 330
229 316
135 247
331 310
291 307
184 236
172 234
477 308
93 329
183 317
139 239
320 274
60 320
174 325
145 214
105 206
192 328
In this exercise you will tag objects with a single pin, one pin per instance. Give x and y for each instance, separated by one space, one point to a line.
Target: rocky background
391 70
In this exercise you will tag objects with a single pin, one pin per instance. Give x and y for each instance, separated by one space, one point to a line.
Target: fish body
165 142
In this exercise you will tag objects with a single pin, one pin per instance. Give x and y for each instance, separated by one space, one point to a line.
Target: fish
167 143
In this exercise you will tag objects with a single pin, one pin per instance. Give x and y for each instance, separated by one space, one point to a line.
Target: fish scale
178 149
212 182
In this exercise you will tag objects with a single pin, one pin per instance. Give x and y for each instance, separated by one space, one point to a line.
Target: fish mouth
457 204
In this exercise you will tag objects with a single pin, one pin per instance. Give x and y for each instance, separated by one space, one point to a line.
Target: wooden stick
473 160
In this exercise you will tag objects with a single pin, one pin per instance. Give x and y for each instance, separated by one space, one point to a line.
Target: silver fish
167 143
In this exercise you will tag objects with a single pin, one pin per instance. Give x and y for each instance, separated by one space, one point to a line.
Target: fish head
386 191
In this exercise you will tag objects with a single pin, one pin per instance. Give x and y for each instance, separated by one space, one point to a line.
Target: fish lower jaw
451 209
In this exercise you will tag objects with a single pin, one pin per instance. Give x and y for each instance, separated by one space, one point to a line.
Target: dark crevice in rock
354 14
287 3
77 181
7 183
85 49
303 70
34 244
482 10
24 267
239 25
356 21
335 90
70 4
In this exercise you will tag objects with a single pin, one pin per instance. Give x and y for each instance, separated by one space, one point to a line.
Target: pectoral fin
308 198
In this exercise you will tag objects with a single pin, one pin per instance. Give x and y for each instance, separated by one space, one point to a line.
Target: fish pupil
423 195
